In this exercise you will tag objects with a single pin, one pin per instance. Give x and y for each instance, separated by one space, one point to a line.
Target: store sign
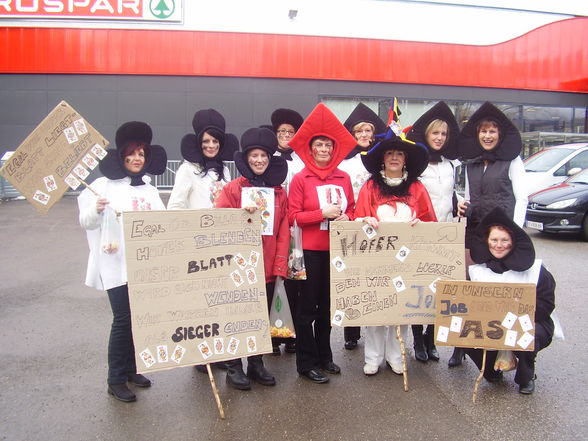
142 10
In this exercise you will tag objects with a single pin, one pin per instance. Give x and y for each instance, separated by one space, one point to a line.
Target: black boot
235 375
257 371
419 344
430 344
456 358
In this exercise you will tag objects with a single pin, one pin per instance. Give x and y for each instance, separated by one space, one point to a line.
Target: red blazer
305 208
276 246
370 199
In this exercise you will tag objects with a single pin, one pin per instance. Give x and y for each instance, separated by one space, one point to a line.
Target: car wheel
585 227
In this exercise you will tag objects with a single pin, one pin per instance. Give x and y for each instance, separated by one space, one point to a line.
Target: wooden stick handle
403 352
219 405
479 377
90 188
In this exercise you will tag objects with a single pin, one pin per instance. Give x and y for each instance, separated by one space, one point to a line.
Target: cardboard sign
388 276
62 150
196 286
486 315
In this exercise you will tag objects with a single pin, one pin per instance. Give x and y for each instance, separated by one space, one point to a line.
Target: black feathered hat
286 116
417 156
112 166
265 140
440 111
509 145
522 255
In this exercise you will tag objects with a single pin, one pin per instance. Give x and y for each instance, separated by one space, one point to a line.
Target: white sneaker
370 369
396 368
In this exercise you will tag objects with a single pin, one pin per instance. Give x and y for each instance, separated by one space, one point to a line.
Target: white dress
193 191
439 180
106 271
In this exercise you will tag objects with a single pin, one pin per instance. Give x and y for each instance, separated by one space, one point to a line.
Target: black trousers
313 324
352 333
526 359
121 350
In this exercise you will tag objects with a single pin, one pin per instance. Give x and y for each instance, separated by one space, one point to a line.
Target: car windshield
545 159
579 178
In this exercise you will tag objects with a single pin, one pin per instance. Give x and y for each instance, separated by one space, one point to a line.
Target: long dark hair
215 163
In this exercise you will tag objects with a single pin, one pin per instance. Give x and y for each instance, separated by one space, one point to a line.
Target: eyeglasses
284 132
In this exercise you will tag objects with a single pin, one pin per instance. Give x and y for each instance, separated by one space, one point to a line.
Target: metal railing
166 180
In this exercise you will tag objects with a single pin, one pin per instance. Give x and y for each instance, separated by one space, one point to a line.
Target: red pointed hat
322 122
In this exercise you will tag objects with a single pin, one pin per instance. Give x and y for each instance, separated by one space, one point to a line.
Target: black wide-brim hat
112 166
509 145
522 255
322 122
417 155
363 113
442 112
191 149
264 139
286 116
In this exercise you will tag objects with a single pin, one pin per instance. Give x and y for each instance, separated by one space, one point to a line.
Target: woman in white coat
437 130
124 187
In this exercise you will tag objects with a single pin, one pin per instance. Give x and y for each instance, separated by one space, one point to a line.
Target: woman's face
322 151
394 161
258 161
437 137
499 243
285 133
135 161
364 134
488 136
210 146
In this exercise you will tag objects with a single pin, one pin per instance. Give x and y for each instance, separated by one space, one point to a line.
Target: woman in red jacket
260 169
318 194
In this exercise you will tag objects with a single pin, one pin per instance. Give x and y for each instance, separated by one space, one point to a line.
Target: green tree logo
162 8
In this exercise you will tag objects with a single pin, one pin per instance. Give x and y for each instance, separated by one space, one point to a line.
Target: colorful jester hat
322 122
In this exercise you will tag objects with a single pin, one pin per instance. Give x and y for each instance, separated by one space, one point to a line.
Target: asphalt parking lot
53 343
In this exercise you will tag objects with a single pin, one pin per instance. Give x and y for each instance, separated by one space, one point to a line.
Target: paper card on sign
219 346
80 126
456 322
162 354
72 181
240 261
525 340
251 344
178 353
70 135
369 231
433 285
526 323
50 183
509 320
338 318
98 151
402 253
81 172
205 350
442 334
147 357
237 278
338 264
90 162
511 338
233 345
253 258
251 276
41 197
399 284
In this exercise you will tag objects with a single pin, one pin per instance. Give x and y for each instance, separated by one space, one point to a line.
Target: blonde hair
360 125
436 124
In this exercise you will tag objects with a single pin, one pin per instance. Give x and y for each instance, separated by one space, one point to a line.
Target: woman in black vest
495 175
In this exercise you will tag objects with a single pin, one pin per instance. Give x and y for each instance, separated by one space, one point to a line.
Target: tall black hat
417 156
363 113
112 166
509 145
211 121
265 140
522 255
286 116
442 112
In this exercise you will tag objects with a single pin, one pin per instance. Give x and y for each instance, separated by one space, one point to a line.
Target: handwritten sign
388 276
196 286
60 151
486 315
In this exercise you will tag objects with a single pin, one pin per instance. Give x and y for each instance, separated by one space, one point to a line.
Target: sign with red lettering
388 275
141 10
58 155
486 315
196 286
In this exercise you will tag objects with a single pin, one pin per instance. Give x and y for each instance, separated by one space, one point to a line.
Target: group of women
321 170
